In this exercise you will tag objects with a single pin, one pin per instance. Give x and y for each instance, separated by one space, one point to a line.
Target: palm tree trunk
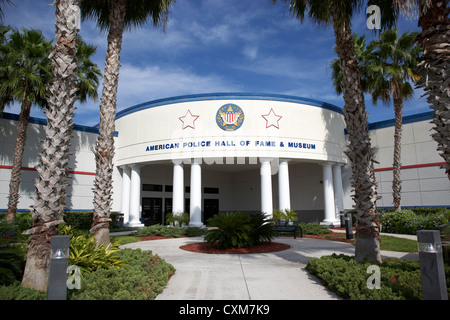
359 150
396 181
14 183
48 207
434 70
104 150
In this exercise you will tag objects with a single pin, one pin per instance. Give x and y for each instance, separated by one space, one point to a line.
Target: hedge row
82 220
142 277
399 279
408 221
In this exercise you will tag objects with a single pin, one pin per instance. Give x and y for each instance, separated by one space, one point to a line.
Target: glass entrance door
152 211
211 207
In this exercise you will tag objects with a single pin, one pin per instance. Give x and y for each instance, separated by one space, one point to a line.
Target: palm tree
391 64
360 152
386 67
114 16
433 70
24 74
52 170
359 44
1 7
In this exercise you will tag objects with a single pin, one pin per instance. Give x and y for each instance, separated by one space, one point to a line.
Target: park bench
288 226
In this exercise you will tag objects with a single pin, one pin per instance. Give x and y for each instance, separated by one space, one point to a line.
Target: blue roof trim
227 96
408 119
34 120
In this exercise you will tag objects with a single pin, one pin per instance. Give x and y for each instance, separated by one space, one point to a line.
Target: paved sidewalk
265 276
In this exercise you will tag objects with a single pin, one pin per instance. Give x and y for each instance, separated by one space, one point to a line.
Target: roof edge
227 96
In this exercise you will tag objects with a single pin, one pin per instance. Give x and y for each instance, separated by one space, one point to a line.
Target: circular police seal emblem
230 117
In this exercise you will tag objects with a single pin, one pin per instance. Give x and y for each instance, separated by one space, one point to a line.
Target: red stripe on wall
434 164
32 169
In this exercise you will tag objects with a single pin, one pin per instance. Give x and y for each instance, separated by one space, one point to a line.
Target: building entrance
151 211
211 207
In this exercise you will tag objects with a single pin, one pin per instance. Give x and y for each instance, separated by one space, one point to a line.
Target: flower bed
204 247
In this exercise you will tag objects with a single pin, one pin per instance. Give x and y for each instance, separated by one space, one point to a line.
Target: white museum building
209 153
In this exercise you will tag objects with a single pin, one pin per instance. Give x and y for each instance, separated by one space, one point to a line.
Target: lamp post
59 260
431 265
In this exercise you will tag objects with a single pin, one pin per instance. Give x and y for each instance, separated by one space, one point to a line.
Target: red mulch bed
204 247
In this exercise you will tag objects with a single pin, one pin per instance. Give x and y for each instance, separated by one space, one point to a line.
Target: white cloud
139 85
251 52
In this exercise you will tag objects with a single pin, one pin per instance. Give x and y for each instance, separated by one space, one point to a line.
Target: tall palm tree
360 152
24 75
391 65
114 16
387 66
52 170
434 69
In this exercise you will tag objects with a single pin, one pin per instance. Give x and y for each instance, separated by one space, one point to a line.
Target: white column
338 190
135 197
330 211
266 187
126 179
178 187
196 194
283 185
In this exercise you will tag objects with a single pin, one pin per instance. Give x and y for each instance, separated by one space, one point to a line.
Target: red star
188 120
272 119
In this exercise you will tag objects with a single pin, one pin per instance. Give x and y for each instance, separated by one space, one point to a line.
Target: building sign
230 117
234 144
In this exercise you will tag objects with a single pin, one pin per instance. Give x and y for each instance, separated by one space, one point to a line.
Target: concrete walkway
266 276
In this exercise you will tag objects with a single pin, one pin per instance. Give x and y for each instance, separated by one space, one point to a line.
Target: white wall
82 165
423 182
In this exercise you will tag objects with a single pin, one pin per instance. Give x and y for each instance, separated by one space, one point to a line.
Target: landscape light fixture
59 260
431 265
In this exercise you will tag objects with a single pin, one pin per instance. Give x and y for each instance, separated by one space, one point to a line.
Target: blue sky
217 46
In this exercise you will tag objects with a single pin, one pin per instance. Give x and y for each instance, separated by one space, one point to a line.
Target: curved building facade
209 153
228 152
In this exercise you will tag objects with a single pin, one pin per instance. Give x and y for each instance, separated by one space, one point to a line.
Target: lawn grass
388 243
125 239
391 243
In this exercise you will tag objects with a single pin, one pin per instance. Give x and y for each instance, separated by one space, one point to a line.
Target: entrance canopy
269 131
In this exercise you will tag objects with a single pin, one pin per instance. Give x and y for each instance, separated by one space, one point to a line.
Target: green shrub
286 214
193 231
178 219
12 251
15 291
82 220
314 228
238 230
400 279
142 277
85 254
168 232
406 221
160 230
